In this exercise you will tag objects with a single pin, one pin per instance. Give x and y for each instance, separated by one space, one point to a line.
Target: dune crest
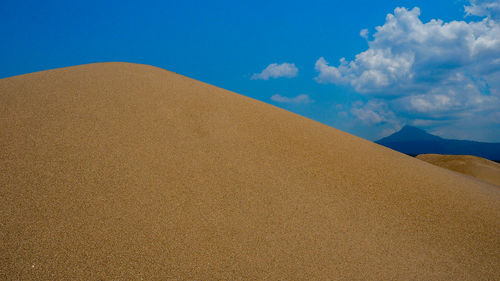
126 171
470 165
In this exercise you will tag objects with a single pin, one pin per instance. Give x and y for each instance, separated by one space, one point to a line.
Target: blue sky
442 76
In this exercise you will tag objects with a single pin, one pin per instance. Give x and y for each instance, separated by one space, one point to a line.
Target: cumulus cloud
373 112
276 70
459 99
364 33
300 99
426 70
489 8
407 56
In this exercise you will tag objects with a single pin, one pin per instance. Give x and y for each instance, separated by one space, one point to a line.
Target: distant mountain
414 141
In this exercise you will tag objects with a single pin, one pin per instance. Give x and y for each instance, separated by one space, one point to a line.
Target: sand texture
473 166
120 171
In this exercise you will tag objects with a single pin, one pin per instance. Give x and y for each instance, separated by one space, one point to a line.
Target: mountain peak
410 133
414 141
408 127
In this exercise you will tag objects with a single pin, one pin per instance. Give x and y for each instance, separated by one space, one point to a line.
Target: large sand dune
122 171
470 165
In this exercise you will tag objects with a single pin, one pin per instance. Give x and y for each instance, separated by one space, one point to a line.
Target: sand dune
123 171
474 166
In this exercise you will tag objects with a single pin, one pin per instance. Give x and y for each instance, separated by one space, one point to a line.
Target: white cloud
427 122
327 73
407 56
426 70
373 112
458 98
300 99
276 70
489 8
364 33
424 103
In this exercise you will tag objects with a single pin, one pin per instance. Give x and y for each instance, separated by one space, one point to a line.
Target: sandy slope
123 171
474 166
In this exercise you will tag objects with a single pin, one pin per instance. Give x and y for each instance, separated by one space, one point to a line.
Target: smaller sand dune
474 166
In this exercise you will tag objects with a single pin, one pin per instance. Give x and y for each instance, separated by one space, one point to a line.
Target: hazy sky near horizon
366 67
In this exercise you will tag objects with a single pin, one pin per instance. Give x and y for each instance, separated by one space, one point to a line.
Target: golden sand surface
119 171
473 166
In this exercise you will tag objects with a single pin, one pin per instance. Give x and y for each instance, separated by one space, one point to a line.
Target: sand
120 171
473 166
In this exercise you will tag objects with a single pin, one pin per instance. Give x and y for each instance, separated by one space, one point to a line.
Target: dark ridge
414 141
